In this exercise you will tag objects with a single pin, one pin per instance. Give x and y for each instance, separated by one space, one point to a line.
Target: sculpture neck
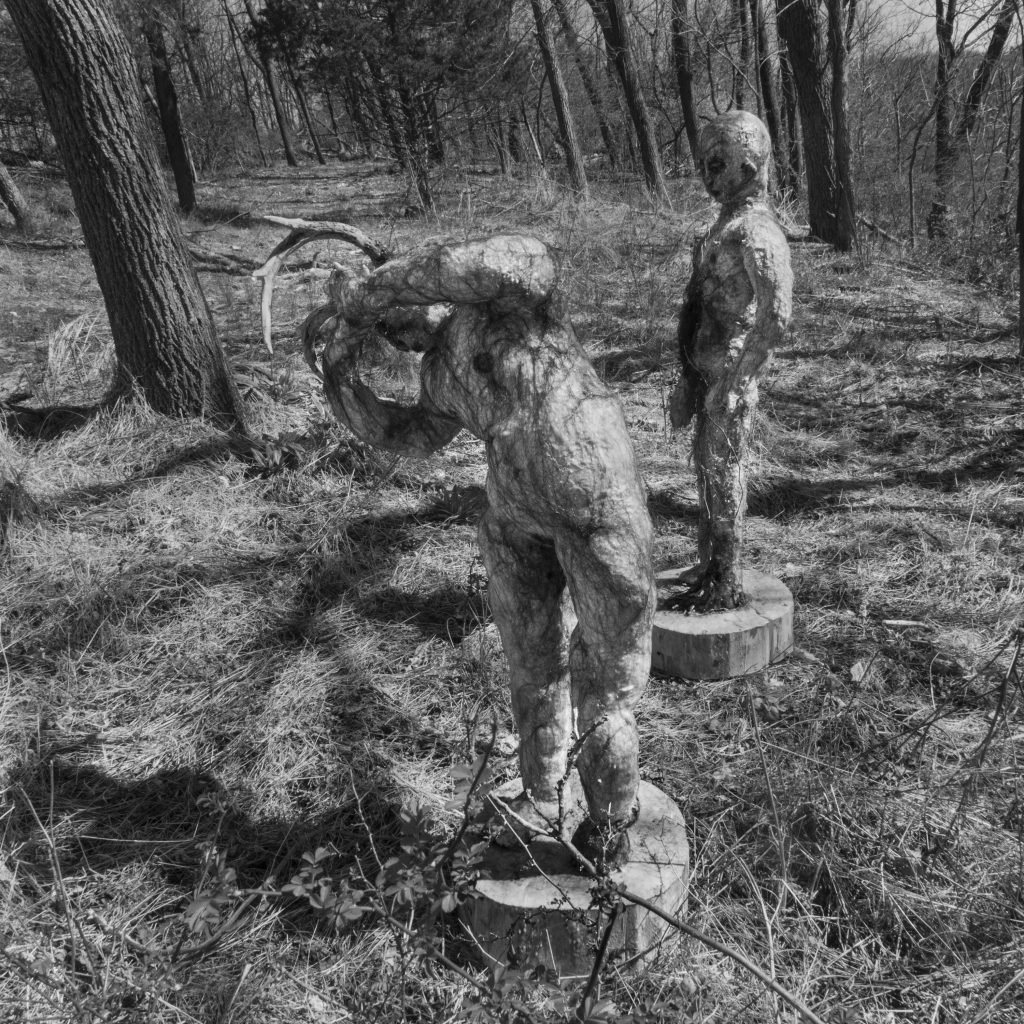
736 205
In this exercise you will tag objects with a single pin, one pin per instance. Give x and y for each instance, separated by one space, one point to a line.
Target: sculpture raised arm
513 272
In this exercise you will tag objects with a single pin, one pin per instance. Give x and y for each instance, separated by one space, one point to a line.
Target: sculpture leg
720 451
526 588
612 587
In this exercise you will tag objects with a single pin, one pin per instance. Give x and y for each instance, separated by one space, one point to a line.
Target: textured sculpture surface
566 537
738 303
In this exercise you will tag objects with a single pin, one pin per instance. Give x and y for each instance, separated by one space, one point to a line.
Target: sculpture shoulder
755 226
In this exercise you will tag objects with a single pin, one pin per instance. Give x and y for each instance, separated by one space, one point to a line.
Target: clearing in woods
219 656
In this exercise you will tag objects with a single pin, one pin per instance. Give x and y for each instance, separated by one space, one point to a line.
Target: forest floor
218 656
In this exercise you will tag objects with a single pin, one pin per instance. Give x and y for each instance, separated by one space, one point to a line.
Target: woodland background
247 667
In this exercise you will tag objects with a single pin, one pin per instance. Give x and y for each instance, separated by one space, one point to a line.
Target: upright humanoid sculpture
566 528
738 303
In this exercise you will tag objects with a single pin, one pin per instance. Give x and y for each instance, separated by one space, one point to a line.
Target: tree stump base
721 645
533 906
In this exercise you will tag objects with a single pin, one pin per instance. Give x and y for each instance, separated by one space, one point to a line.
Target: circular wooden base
720 645
533 906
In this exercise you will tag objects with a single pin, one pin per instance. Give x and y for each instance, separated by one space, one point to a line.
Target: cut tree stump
533 906
721 645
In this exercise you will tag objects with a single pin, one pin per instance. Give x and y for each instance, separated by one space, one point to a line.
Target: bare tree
163 334
682 58
170 117
613 18
953 130
590 85
274 93
560 99
816 48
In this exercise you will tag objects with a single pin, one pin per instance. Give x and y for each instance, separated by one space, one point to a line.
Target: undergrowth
244 683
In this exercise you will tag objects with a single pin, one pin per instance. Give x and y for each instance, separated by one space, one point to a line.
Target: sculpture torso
523 385
725 288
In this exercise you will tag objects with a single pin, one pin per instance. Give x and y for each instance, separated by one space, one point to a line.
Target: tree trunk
769 94
792 117
274 94
838 45
612 16
938 216
416 148
246 91
739 74
590 86
1020 239
563 113
163 334
829 212
949 143
170 116
684 71
11 197
300 99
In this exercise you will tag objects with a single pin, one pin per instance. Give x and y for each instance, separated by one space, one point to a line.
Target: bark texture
738 304
163 334
566 537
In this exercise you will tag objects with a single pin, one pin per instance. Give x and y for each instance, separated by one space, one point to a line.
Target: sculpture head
734 154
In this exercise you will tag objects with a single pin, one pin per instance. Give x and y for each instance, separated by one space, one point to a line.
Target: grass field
219 655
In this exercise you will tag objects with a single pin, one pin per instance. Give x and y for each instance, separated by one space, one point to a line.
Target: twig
602 952
977 758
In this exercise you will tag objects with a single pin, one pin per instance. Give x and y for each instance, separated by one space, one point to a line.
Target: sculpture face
734 155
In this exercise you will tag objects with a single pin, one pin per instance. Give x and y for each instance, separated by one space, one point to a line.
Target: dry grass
210 666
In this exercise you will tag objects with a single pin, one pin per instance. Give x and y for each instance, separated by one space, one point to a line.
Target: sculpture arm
689 390
513 271
416 430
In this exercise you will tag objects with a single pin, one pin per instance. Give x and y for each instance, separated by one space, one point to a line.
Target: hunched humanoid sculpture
738 303
566 534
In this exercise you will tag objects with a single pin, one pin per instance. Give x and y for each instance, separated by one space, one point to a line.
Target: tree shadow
47 423
69 819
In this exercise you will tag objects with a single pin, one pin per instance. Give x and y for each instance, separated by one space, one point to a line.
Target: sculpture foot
529 818
605 844
705 591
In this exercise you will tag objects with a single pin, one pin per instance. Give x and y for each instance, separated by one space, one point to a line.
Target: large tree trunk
563 113
612 16
170 116
163 334
830 205
11 197
681 53
275 95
